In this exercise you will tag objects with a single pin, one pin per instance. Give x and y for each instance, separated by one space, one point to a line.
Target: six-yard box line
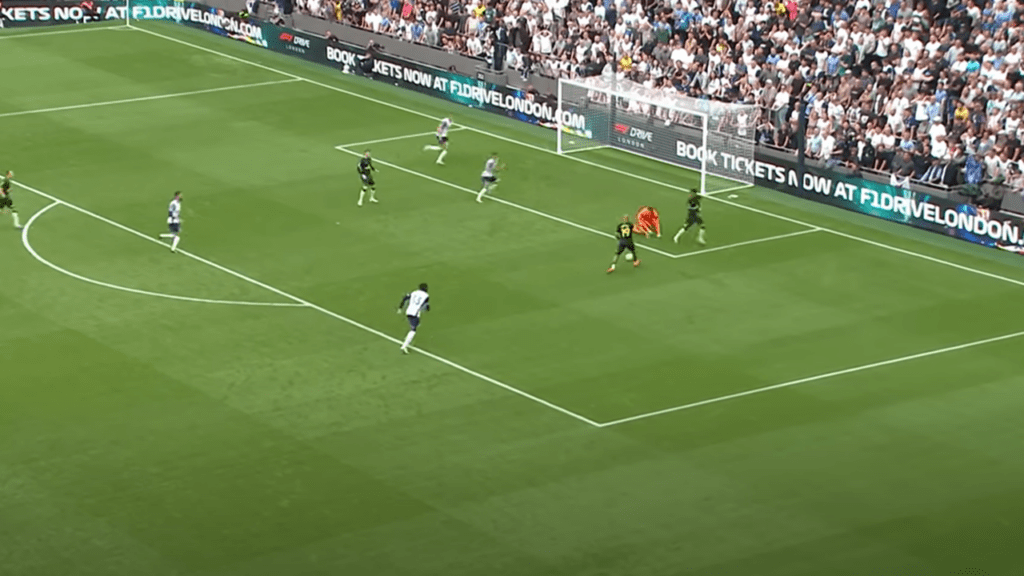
607 168
354 149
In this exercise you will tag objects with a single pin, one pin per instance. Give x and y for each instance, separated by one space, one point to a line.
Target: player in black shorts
693 217
6 202
366 170
624 233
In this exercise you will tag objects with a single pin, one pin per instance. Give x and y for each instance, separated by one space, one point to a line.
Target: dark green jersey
5 183
365 166
693 206
624 231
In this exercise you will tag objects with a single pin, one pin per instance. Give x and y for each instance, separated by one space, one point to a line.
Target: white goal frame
668 109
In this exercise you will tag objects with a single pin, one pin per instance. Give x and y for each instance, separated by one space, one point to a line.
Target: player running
624 233
414 303
646 220
366 170
6 202
489 177
442 140
174 222
693 218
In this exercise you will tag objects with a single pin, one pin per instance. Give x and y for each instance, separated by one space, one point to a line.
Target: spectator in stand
902 170
815 143
940 73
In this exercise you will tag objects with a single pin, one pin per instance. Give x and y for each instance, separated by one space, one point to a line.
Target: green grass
141 435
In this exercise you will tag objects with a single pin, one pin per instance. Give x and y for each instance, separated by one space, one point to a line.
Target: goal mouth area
714 139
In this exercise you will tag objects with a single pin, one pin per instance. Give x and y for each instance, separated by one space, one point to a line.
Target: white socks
440 157
435 148
362 194
700 235
485 190
17 222
174 243
408 340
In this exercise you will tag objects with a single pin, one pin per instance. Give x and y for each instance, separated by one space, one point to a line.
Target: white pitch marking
394 138
588 163
791 383
31 250
322 310
748 243
90 28
733 189
143 98
505 202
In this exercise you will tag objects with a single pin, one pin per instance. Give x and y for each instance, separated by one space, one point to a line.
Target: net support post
558 118
704 154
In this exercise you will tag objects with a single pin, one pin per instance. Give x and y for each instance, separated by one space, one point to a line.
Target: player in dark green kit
624 233
366 170
6 202
693 217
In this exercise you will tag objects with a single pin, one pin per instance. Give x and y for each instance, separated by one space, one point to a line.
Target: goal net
714 139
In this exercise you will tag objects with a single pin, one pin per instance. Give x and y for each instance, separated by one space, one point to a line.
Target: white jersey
442 130
741 123
490 167
174 212
418 301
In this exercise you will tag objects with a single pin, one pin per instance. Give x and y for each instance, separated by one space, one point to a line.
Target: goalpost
715 139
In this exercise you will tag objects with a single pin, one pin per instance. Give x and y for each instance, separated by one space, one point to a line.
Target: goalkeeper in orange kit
647 220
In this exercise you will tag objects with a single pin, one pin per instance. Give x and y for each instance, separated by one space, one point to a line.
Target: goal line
713 139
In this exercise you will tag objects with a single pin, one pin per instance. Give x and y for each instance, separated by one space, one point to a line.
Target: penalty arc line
321 309
32 251
144 98
808 379
505 202
586 162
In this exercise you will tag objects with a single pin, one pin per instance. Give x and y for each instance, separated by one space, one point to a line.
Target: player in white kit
174 221
489 177
415 303
442 140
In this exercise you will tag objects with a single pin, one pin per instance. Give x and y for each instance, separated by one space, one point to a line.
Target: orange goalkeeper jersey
647 215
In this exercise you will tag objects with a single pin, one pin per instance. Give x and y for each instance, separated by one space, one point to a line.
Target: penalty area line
321 309
28 246
816 378
573 158
145 98
89 28
505 202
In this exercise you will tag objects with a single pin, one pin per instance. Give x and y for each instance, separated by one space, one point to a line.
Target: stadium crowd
931 91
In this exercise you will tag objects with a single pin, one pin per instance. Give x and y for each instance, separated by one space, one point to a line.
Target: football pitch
812 393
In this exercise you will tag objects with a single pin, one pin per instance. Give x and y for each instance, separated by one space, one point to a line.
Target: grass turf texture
143 435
